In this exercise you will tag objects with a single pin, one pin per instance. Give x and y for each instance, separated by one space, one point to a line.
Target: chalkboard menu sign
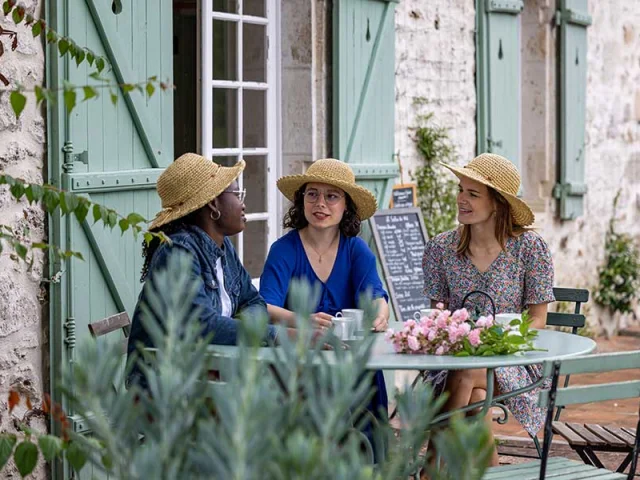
403 196
400 237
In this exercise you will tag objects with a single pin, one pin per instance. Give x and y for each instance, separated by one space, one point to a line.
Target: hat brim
212 188
521 213
366 204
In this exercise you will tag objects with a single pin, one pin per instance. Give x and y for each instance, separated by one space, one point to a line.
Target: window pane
254 43
229 161
255 247
253 7
255 181
225 118
254 121
224 50
227 6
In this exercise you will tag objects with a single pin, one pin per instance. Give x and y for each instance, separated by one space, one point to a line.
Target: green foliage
67 47
436 192
619 278
53 200
500 340
290 412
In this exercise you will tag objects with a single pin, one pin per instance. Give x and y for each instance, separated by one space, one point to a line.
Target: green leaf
80 54
150 89
51 200
127 87
112 219
107 461
18 101
76 456
124 225
82 210
40 245
21 250
50 446
114 98
90 57
36 29
100 64
148 237
36 192
96 213
7 442
89 92
39 95
77 255
135 218
6 8
17 190
51 36
69 99
17 17
63 46
26 457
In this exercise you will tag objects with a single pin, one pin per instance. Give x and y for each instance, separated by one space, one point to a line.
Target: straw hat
500 174
190 183
336 173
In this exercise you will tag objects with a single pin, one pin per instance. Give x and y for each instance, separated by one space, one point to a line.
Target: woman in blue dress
323 248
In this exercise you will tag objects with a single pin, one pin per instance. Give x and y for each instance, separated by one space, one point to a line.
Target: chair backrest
573 320
560 396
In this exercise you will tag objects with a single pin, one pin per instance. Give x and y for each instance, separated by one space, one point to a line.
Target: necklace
323 253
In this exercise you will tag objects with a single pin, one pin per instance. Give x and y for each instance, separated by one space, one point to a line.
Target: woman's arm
288 318
538 315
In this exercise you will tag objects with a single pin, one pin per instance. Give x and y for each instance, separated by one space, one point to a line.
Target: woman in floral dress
491 251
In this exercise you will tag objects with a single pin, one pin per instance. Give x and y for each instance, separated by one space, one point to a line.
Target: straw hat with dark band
500 174
336 173
190 183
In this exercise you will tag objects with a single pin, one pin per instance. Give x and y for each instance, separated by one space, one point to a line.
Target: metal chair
562 396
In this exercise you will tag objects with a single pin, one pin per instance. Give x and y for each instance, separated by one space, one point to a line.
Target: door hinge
70 330
71 158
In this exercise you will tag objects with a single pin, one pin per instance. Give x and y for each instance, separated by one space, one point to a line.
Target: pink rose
431 335
389 334
464 329
460 316
440 305
440 351
410 323
474 337
428 322
413 343
485 322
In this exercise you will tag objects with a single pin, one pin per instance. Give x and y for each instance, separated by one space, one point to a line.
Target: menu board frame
401 188
381 253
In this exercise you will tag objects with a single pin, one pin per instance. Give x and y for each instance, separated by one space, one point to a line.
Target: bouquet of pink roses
445 333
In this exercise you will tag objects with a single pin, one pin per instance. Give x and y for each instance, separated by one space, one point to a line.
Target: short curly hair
294 218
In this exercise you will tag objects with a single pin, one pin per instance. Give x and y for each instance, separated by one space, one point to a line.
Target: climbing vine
619 277
437 192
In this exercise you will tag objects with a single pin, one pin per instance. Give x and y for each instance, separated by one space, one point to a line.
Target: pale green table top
558 345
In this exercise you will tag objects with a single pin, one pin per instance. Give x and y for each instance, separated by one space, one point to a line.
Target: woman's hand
321 321
380 323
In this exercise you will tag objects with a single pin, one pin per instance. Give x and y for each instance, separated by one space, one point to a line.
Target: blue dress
354 272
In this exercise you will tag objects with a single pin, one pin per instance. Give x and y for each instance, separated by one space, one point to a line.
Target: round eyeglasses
241 194
331 198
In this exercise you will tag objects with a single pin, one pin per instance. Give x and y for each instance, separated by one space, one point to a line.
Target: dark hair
505 227
294 218
148 249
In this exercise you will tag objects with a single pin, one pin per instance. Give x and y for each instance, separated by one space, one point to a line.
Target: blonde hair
505 227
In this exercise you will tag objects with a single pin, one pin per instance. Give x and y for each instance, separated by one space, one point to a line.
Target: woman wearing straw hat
323 248
201 207
494 252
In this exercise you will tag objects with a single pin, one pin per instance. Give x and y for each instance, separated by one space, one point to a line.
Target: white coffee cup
505 318
424 312
343 327
356 314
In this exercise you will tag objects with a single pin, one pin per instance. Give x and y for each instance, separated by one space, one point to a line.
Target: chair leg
536 442
625 462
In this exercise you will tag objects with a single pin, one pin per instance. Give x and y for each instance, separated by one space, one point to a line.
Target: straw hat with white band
336 173
190 183
500 174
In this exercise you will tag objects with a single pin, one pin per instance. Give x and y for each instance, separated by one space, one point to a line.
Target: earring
215 218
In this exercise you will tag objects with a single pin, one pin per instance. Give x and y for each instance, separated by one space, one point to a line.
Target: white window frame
271 87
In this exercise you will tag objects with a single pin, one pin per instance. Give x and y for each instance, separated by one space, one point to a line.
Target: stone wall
435 73
612 151
23 330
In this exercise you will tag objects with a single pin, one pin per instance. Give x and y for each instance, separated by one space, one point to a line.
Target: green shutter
498 60
573 19
113 154
364 91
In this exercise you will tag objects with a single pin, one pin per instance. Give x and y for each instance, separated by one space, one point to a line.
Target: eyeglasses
331 198
241 194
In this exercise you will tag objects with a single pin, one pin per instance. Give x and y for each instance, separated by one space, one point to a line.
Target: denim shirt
205 252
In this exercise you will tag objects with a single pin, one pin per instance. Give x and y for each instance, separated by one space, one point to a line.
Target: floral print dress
521 275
